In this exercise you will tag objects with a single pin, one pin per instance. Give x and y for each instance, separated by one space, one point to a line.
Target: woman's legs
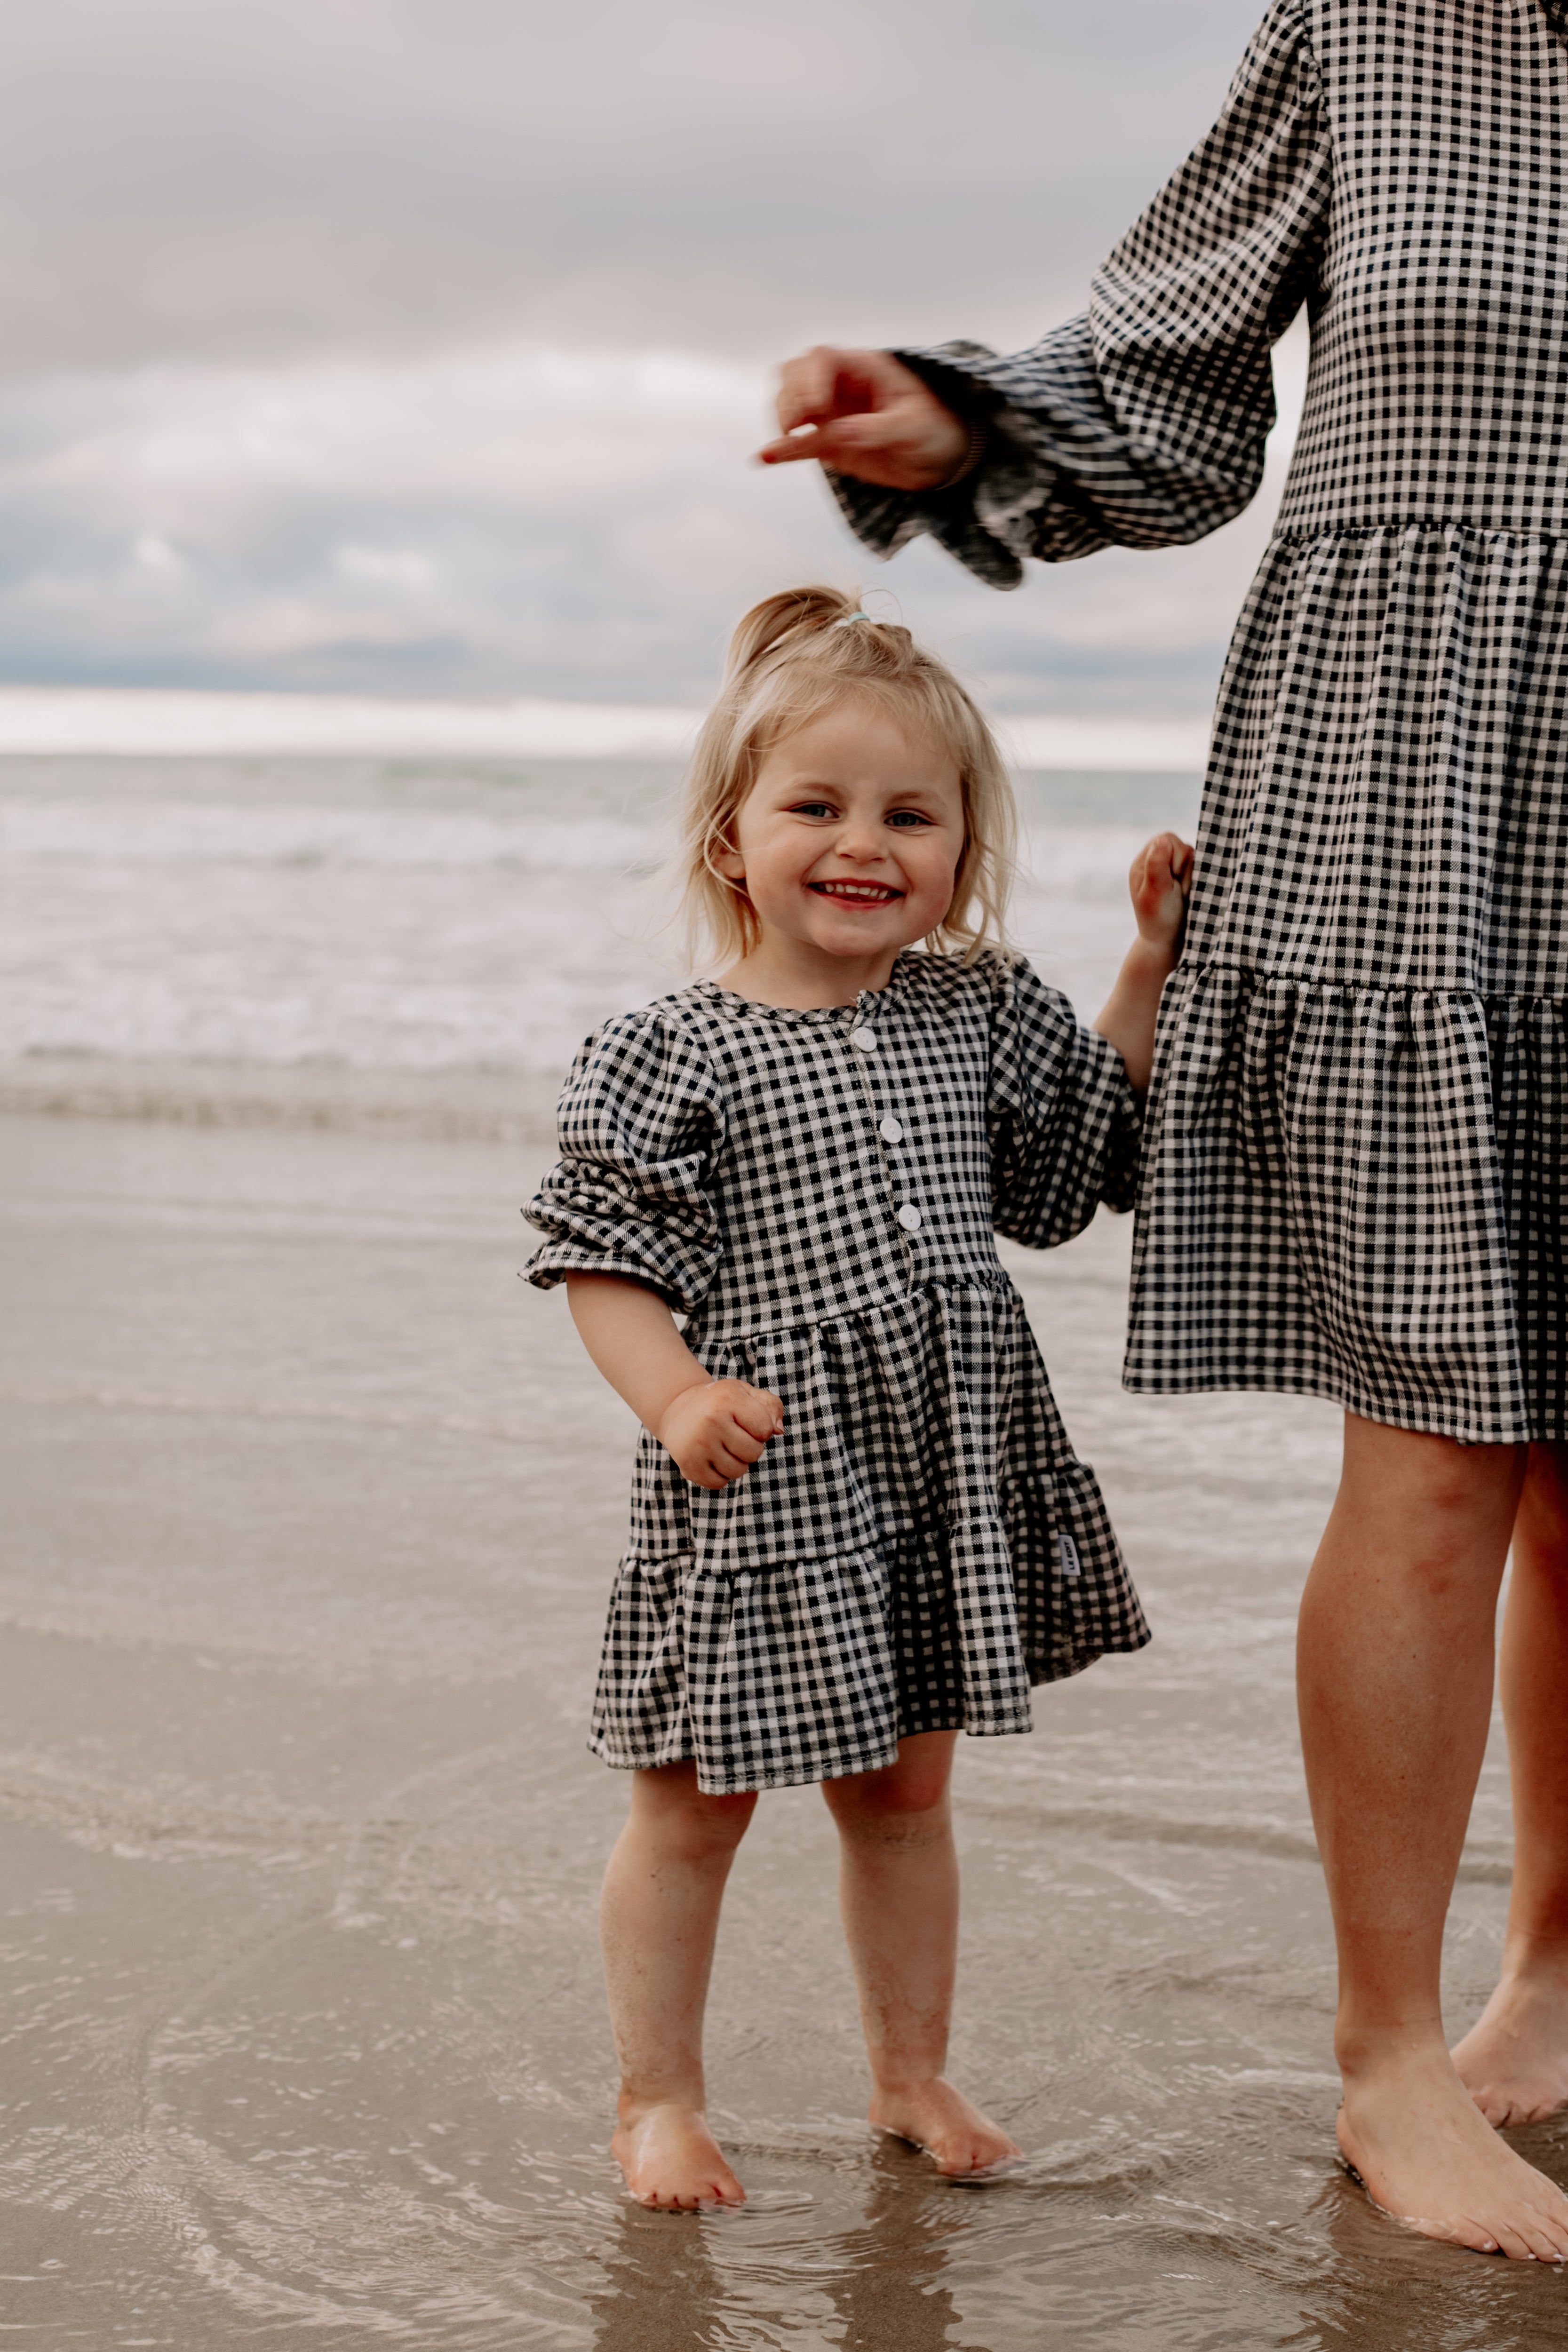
1394 1680
898 1890
1515 2060
656 1924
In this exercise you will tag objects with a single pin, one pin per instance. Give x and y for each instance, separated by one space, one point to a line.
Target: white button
910 1217
889 1130
865 1039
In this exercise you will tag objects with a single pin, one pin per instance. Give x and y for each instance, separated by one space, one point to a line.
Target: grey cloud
502 522
329 328
178 179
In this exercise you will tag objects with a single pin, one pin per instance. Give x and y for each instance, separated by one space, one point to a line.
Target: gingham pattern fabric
817 1192
1354 1177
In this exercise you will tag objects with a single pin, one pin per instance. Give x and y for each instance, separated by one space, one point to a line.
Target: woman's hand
1159 881
713 1434
867 414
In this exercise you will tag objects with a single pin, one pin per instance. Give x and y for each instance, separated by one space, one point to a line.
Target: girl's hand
714 1433
1160 882
1161 878
867 414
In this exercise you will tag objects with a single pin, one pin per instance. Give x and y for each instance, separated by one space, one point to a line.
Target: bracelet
973 449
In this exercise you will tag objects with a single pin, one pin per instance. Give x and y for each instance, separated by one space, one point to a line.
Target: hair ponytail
793 612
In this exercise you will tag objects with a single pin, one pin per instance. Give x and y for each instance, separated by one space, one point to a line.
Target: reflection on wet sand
1387 2289
877 2284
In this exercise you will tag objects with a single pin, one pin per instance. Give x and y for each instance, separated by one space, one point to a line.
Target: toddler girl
857 1528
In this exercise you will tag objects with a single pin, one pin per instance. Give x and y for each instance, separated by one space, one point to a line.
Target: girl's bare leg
1515 2060
657 1925
1394 1680
898 1889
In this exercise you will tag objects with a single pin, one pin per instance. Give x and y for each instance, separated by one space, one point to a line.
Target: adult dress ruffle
1356 1130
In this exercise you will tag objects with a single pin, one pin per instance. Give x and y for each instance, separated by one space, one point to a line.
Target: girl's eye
906 817
813 808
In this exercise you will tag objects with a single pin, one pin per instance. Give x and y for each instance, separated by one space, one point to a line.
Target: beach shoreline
313 1509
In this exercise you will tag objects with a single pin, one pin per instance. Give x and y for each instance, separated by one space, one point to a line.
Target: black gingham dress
816 1192
1357 1133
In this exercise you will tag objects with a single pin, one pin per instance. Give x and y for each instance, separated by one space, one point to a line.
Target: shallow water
409 919
311 1511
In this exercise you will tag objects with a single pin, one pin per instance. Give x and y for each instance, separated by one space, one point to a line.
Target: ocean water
455 922
311 1511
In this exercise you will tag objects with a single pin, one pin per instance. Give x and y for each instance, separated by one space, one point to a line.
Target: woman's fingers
828 383
887 449
807 387
865 413
832 440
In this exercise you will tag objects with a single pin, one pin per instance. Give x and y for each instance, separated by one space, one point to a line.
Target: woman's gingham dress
816 1193
1356 1134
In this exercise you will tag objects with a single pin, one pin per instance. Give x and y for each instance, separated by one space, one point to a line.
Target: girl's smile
864 894
846 846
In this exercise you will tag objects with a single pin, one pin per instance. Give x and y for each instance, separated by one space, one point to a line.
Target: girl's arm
713 1429
1161 878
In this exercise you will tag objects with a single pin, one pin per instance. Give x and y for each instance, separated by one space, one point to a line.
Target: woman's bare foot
672 2159
1410 2130
949 2127
1514 2060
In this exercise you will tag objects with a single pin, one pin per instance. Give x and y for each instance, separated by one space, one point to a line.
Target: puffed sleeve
1065 1125
1141 422
640 1124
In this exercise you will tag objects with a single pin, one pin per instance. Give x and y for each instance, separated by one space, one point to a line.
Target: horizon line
193 722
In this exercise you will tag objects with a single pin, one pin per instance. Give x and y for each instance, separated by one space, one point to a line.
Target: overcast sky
418 346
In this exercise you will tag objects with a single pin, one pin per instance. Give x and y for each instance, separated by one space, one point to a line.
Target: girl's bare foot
672 2159
1411 2131
1514 2060
944 2123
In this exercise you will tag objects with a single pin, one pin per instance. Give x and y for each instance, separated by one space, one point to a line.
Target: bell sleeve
1065 1125
1141 422
640 1124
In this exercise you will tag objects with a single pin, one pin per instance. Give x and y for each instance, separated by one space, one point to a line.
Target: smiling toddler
858 1527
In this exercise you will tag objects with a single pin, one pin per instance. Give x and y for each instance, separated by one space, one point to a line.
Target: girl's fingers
760 1415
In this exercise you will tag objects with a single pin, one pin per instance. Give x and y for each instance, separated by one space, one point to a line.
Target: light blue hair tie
850 618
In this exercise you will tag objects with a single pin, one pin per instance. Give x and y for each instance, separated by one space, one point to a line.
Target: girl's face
847 844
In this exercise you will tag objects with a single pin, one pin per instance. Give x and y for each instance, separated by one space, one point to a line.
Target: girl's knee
902 1797
668 1801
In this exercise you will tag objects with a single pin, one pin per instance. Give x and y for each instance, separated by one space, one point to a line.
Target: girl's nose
861 842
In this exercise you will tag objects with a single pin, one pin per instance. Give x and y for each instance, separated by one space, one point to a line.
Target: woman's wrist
977 431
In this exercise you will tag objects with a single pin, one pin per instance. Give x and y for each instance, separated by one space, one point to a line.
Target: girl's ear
728 862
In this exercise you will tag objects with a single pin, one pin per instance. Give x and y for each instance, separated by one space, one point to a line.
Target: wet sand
311 1509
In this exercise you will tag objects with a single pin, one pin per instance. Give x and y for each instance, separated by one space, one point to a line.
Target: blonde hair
793 658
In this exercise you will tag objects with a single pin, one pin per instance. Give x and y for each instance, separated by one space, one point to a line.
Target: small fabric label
1071 1566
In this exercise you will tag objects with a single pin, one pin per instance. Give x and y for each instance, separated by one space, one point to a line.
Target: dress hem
1327 1392
725 1784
